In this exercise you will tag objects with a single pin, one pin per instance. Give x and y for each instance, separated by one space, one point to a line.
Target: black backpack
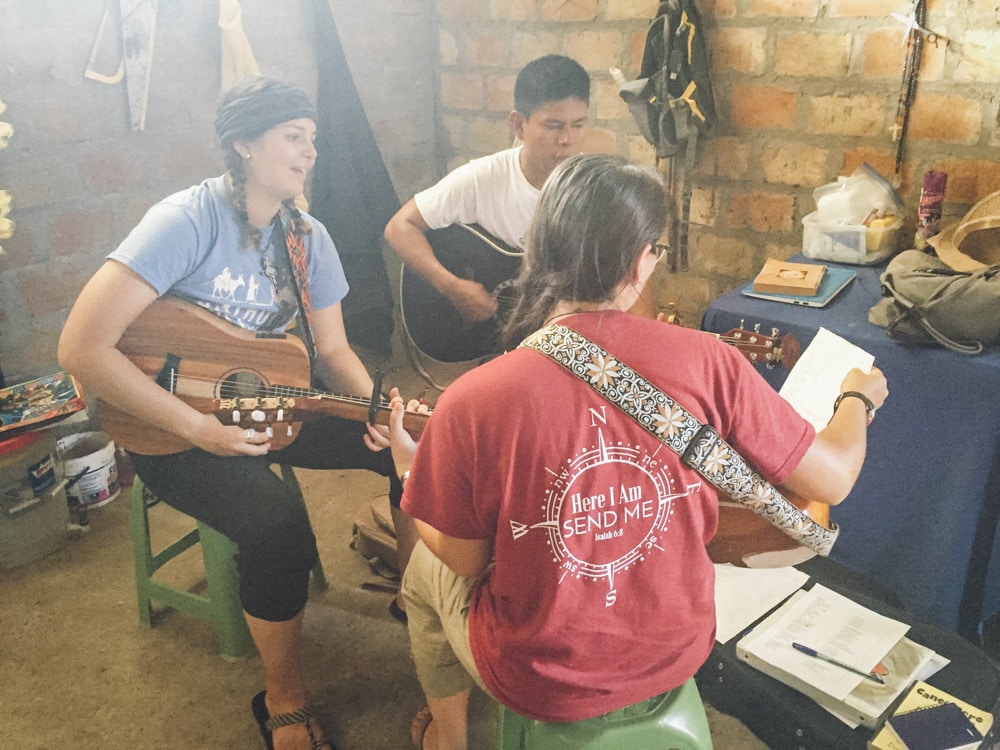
672 99
672 102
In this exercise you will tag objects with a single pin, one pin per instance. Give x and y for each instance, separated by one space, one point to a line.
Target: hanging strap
699 445
914 312
296 253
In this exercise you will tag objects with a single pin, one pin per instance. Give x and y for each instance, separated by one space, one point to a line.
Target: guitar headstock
769 350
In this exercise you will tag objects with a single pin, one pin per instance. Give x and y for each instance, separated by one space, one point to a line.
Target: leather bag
926 301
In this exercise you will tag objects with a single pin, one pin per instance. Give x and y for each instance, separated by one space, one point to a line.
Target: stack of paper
852 661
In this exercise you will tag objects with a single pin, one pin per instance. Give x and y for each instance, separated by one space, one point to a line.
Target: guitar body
431 322
746 539
209 350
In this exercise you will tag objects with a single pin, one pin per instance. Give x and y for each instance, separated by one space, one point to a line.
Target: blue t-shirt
189 245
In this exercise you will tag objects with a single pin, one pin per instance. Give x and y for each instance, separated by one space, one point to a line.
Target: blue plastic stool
220 605
673 721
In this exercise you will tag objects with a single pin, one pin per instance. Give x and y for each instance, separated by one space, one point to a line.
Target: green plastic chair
220 604
673 721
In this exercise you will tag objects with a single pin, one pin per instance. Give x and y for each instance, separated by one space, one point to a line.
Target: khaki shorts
437 608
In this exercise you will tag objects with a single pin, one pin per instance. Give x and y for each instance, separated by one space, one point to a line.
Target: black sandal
267 723
397 612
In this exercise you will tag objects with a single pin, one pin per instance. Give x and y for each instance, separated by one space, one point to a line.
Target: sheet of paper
744 595
813 384
832 625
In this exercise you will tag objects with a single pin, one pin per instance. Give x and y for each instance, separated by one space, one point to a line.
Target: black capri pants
242 497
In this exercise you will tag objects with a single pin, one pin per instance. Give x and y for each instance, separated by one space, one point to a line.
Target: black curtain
351 191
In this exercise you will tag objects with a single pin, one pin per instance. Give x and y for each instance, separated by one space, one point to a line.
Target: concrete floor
79 672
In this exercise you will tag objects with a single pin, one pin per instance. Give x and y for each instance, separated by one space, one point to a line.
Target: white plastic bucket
90 467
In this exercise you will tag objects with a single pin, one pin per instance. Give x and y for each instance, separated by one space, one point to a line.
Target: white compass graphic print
607 509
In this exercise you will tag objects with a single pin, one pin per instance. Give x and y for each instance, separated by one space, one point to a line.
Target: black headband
259 107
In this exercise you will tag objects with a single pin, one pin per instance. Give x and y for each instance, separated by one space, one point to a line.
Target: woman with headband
237 246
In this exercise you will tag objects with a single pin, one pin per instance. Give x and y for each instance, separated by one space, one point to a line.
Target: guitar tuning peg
288 431
258 416
774 332
236 416
756 327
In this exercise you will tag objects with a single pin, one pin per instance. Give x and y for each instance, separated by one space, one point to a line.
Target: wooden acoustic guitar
257 381
744 538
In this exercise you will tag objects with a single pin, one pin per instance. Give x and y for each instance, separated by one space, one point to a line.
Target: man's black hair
550 79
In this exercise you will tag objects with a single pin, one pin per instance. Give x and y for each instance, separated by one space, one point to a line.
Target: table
922 518
785 719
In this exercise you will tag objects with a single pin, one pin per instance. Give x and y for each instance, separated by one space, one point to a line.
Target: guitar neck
283 404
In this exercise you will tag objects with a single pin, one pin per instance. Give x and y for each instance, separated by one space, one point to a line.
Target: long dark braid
236 182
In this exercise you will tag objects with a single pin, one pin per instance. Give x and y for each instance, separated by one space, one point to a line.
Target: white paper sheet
813 384
743 595
833 625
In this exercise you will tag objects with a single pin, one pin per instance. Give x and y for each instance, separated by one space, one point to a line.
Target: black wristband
869 406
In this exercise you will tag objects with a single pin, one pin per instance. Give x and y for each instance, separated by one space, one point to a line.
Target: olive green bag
925 301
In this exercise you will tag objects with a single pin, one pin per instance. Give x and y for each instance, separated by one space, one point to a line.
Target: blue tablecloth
923 515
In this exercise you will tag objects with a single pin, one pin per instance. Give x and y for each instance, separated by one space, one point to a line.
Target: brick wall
807 90
81 178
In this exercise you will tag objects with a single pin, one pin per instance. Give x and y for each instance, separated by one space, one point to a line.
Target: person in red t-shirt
563 566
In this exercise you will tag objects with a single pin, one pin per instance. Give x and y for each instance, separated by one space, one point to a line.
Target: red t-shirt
603 593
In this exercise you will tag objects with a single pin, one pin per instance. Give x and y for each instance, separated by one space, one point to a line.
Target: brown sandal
418 726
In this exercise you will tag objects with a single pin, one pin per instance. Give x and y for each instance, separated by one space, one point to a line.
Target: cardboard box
785 277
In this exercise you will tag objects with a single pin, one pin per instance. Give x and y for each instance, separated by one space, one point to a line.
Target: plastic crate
848 243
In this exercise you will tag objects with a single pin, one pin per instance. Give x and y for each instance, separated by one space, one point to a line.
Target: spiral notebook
833 283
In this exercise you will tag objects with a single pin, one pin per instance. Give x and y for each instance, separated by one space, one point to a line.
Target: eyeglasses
661 249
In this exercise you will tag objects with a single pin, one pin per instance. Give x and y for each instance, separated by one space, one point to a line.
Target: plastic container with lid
848 243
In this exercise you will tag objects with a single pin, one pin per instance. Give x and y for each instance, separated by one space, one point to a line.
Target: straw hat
974 242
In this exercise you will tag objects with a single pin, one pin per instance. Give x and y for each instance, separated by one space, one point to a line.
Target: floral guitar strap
699 445
296 253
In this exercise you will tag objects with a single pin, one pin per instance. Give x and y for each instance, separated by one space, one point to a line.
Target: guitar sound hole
242 384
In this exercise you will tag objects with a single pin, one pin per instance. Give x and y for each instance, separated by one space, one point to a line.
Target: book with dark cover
923 696
940 727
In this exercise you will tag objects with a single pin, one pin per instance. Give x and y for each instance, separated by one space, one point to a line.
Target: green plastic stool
672 721
220 605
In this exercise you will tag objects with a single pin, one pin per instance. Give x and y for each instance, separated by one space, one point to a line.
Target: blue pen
823 657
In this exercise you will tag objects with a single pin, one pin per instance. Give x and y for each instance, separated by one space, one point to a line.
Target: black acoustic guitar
432 323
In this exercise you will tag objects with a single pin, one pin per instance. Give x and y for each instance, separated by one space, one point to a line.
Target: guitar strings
235 390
